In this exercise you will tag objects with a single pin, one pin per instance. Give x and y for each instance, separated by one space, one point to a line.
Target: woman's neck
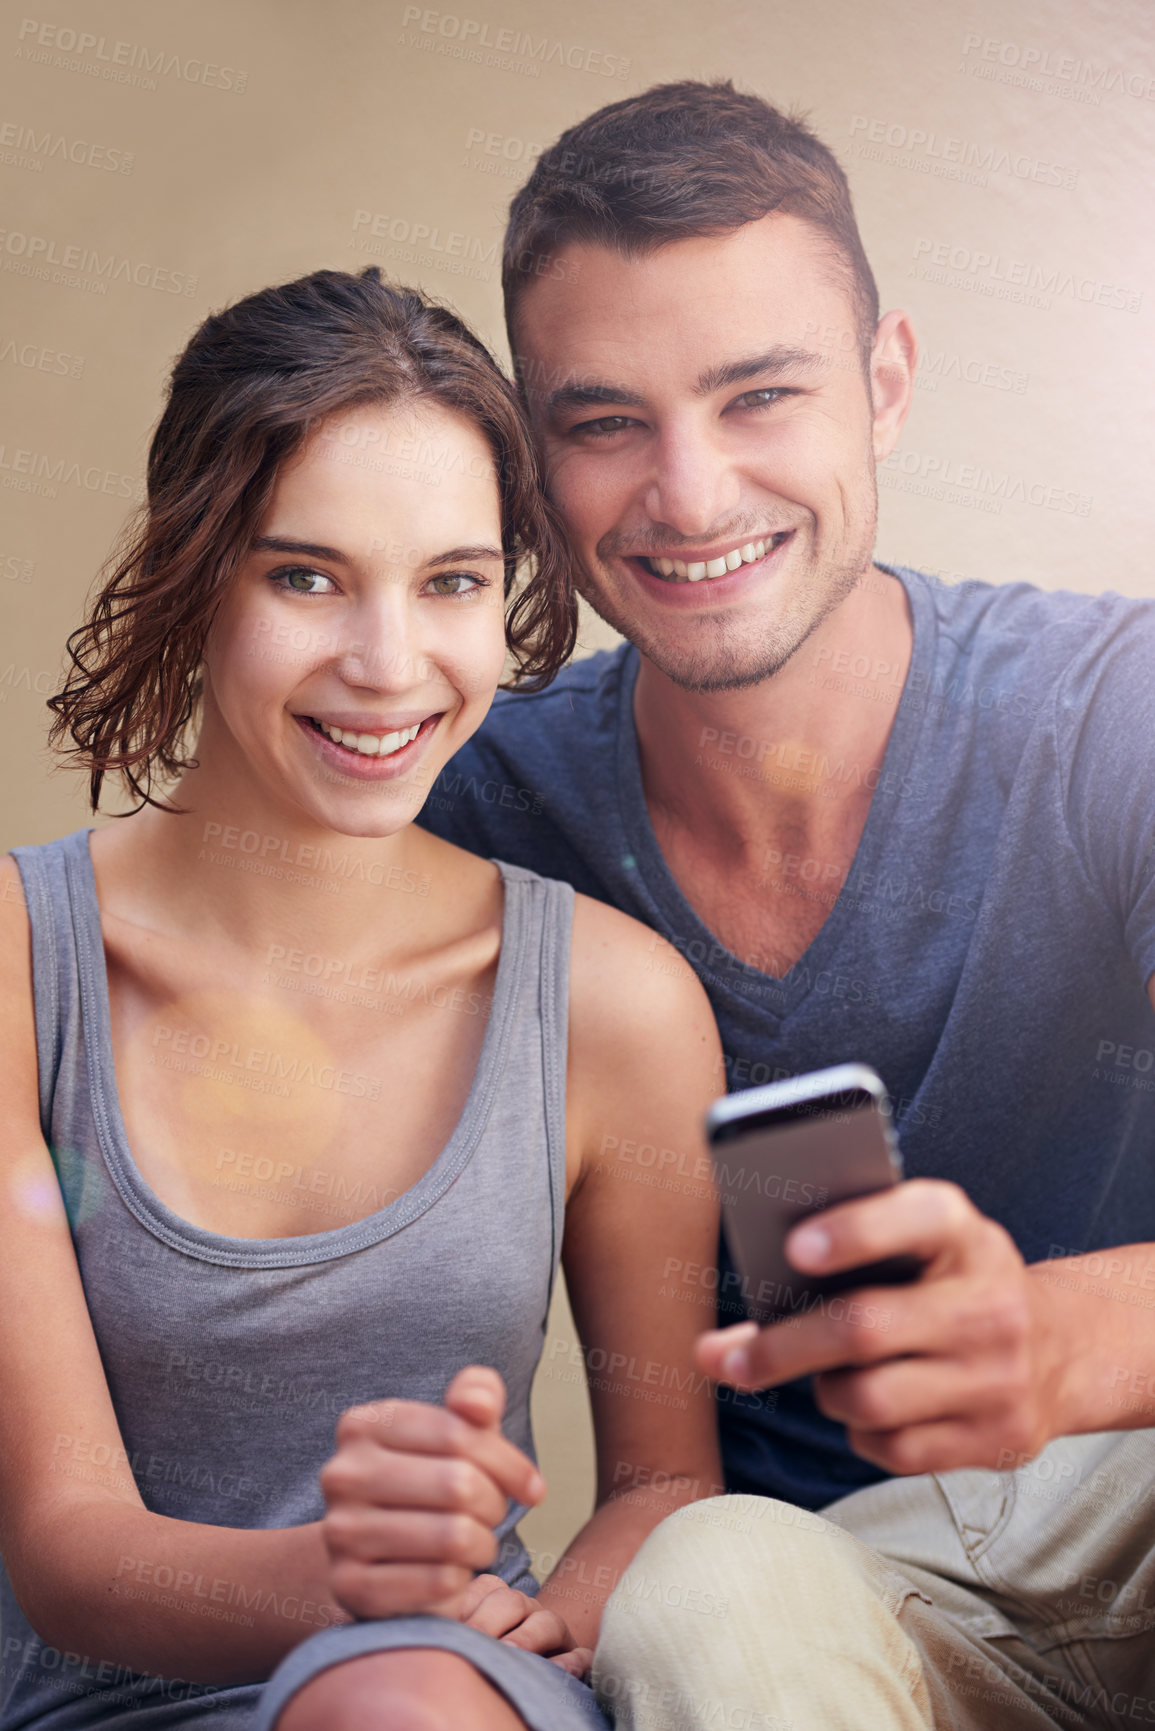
243 869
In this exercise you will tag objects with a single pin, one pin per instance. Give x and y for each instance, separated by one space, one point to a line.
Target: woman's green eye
301 581
453 583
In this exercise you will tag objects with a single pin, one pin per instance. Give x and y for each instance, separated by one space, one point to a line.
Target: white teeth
700 568
371 744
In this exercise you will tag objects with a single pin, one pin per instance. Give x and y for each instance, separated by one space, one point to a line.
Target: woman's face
363 638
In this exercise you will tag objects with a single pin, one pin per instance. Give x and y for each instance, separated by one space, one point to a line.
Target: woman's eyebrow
456 554
332 555
306 549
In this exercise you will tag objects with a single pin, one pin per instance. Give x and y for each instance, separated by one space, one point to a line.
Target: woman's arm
644 1065
95 1572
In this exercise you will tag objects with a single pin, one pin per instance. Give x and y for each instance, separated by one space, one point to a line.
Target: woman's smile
369 750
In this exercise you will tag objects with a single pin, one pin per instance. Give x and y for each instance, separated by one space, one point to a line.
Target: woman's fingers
478 1588
542 1631
577 1661
477 1393
364 1476
409 1536
417 1428
521 1621
502 1609
371 1590
413 1495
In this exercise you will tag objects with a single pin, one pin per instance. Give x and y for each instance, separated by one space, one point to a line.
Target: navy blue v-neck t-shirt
987 953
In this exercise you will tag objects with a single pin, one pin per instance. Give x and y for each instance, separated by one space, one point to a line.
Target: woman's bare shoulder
15 952
19 1077
631 992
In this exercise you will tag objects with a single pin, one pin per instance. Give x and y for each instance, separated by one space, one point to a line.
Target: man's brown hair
677 162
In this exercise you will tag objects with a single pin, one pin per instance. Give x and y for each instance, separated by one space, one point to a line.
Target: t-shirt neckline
779 995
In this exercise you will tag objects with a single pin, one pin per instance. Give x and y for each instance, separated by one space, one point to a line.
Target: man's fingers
847 1329
408 1536
905 1392
939 1447
922 1218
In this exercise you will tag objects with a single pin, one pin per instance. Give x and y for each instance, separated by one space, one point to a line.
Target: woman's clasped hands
413 1495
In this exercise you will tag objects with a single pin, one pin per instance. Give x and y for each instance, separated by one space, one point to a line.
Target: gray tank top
230 1359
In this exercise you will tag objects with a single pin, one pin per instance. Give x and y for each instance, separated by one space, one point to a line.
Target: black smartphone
787 1151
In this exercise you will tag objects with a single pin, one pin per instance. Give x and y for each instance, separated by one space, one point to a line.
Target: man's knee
419 1689
731 1539
745 1610
715 1564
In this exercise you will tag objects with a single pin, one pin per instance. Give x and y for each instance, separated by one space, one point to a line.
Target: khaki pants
965 1601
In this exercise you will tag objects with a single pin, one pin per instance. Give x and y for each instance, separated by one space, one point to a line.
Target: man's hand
962 1367
501 1611
413 1495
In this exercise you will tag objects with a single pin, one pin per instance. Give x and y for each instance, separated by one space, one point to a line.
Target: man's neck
791 756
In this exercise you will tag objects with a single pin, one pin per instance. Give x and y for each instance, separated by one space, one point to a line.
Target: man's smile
721 577
703 565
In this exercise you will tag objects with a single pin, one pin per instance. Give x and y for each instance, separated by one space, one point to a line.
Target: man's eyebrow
464 555
784 358
587 396
306 549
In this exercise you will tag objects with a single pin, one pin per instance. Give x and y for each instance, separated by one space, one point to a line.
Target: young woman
298 1097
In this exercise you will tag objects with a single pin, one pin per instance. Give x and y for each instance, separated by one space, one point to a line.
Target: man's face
706 404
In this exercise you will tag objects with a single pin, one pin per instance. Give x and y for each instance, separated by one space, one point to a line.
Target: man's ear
893 360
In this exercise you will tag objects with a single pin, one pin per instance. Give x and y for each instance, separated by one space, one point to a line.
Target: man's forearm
1103 1308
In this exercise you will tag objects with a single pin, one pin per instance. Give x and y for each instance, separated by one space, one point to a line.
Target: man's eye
762 399
299 580
603 426
456 583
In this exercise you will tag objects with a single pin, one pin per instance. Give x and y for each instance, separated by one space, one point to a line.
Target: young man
884 820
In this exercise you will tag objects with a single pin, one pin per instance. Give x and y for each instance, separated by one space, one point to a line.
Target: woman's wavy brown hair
248 390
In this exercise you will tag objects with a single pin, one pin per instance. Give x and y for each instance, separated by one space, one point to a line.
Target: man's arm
978 1363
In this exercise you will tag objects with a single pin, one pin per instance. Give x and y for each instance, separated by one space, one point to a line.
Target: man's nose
694 484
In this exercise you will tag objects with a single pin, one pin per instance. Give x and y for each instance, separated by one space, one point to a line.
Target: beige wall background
159 160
